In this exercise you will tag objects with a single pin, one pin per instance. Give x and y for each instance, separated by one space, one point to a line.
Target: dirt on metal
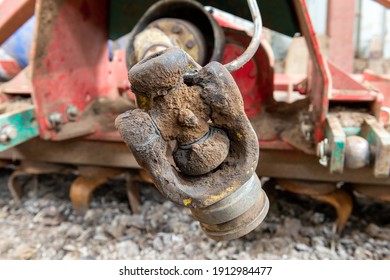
15 105
349 117
181 108
281 121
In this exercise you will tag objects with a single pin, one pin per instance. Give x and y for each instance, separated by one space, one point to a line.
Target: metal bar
75 152
255 42
336 137
273 163
359 16
13 14
340 29
319 81
297 165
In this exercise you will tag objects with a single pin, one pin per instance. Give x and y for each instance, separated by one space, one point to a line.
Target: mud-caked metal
215 151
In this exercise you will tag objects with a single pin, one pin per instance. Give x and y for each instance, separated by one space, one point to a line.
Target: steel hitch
216 149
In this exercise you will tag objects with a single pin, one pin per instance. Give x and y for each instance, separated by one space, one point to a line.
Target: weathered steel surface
336 136
70 65
327 192
274 163
379 138
297 165
74 152
179 99
342 201
17 127
219 94
90 178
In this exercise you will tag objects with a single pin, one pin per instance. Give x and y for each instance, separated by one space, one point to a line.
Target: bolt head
3 138
7 133
190 44
55 120
176 29
324 161
71 113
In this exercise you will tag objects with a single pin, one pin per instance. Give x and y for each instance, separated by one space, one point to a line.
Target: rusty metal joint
216 150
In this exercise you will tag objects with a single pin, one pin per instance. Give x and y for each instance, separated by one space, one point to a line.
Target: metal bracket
17 127
336 137
379 139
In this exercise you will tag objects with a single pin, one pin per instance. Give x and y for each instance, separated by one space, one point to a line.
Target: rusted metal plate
20 84
216 151
17 126
13 14
273 163
70 65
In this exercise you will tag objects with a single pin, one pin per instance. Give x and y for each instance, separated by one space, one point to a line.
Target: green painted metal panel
278 15
23 125
337 137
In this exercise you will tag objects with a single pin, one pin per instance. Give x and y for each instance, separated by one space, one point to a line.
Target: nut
71 113
176 29
55 120
190 44
323 151
7 134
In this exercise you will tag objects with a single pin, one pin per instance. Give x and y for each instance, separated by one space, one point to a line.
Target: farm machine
189 87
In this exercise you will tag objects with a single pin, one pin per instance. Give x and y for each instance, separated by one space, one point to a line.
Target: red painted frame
71 66
70 63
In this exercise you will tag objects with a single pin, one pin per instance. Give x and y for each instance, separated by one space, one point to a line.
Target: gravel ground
46 227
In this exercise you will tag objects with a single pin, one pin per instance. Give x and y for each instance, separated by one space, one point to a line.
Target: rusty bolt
190 44
71 113
55 120
176 29
7 133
